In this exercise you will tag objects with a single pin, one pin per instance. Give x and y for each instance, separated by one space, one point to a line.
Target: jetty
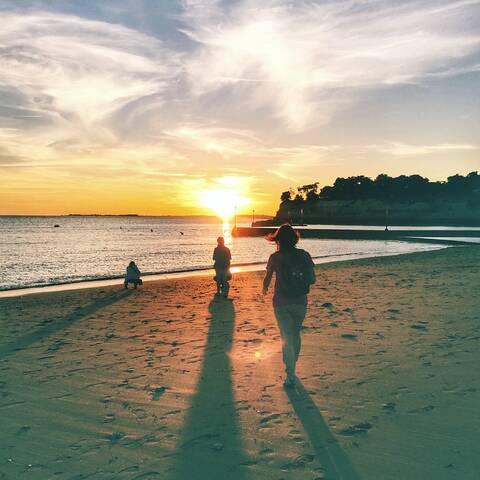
466 236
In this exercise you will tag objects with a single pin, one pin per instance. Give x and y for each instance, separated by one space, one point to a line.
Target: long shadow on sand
329 453
210 445
43 332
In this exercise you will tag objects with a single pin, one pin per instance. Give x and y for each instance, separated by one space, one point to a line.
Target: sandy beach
168 383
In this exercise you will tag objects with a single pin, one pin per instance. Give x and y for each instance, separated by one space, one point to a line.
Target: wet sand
168 383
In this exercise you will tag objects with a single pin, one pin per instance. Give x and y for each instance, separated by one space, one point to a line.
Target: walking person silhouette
294 273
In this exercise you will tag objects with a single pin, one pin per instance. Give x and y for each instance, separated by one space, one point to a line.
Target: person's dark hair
220 240
131 264
285 236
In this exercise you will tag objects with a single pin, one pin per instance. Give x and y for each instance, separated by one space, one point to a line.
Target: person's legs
135 284
219 285
222 283
297 313
218 281
226 288
126 284
290 319
285 325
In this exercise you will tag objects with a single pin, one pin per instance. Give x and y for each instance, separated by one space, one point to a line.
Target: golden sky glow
198 106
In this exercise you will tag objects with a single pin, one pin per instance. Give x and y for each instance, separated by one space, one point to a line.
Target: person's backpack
295 275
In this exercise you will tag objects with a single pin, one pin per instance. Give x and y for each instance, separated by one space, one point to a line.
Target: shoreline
154 277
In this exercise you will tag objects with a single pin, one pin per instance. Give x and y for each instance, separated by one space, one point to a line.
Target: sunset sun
225 197
223 202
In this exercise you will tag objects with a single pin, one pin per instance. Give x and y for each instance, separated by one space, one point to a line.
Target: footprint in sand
426 408
298 439
11 404
265 421
109 418
157 392
266 451
147 476
134 442
389 407
23 430
358 429
132 469
114 437
418 326
299 462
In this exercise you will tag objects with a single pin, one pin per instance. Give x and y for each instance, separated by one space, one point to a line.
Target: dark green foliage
312 203
412 187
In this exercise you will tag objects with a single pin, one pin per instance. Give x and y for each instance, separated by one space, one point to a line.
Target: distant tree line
386 188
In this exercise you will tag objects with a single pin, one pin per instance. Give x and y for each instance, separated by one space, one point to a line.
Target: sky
165 107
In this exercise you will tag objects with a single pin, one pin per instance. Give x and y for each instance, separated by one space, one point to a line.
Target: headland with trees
402 200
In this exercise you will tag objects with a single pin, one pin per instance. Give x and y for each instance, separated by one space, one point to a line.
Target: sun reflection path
227 233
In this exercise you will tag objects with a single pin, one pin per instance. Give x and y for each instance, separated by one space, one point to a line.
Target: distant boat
56 225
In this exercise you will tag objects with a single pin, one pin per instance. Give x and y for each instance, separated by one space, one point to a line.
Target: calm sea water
33 252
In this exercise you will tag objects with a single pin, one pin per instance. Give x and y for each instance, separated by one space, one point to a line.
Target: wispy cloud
69 66
305 60
231 143
402 149
83 83
63 77
212 139
290 163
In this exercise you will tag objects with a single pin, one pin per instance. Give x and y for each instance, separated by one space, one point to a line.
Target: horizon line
259 215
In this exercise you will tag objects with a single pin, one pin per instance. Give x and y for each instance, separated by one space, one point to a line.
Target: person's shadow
56 325
328 452
210 446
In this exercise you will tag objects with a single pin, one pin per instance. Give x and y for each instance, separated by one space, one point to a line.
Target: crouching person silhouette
133 275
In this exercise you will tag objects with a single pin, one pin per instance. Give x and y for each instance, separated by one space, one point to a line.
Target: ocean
35 252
